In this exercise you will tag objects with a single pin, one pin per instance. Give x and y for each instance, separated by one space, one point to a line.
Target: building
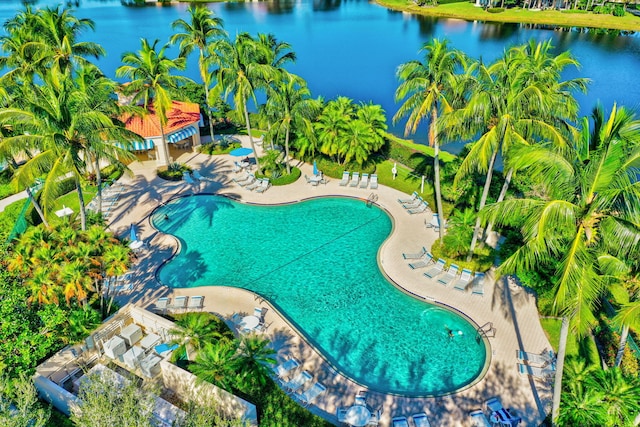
181 133
134 342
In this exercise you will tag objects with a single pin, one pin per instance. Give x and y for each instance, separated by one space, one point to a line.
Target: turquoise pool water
316 262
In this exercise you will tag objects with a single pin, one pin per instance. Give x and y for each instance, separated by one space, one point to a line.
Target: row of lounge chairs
251 183
180 303
110 199
296 383
355 180
193 178
499 416
419 420
437 270
414 204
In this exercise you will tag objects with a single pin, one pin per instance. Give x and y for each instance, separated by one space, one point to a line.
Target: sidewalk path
13 198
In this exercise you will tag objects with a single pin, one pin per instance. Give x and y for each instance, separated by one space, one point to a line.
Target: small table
248 323
315 179
65 211
136 245
358 416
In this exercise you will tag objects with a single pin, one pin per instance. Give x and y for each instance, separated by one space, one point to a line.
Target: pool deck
509 307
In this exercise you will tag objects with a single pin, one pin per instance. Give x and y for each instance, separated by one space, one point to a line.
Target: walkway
510 308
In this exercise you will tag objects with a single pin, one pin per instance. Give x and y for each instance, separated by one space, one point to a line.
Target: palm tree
255 358
217 363
332 123
247 65
192 331
584 214
290 101
203 28
152 81
58 119
426 86
628 315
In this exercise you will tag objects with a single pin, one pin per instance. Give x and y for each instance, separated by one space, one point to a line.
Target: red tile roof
182 114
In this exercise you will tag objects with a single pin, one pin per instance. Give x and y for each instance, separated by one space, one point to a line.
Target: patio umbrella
133 235
315 168
241 152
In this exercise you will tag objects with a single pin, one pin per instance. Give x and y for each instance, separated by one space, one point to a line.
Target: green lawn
584 349
467 11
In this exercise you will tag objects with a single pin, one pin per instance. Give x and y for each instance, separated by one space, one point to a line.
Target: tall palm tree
58 119
151 80
331 123
203 28
534 63
512 104
586 212
290 102
627 316
247 65
426 86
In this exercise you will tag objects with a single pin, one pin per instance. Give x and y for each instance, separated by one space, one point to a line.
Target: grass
468 11
551 326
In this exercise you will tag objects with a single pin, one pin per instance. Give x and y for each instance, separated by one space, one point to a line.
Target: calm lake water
353 48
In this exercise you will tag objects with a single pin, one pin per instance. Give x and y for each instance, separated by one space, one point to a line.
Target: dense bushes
221 148
277 178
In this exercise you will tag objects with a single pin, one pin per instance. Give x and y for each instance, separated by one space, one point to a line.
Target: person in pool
449 331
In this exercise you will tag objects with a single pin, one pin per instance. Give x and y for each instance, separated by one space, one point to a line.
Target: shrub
618 10
334 170
6 189
276 178
173 172
495 10
481 261
215 149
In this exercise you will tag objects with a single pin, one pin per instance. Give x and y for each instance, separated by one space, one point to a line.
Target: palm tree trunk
253 146
483 200
622 345
83 212
286 152
36 206
436 169
99 184
557 388
205 84
503 193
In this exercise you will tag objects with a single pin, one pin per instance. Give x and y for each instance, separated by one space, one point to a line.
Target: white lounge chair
345 179
545 358
298 381
479 419
413 197
421 420
162 303
312 393
422 208
250 180
195 302
448 275
361 398
426 260
246 177
414 204
263 186
255 184
373 182
400 422
535 371
436 269
286 367
434 223
179 302
188 178
197 176
364 182
478 285
375 418
463 280
416 255
355 179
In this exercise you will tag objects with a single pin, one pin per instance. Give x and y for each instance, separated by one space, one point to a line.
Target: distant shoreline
469 12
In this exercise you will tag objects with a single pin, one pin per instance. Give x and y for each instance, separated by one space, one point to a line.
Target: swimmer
166 217
450 332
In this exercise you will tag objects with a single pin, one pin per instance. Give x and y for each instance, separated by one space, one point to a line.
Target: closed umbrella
315 168
133 235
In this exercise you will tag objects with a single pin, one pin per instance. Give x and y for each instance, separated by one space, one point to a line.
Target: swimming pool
316 262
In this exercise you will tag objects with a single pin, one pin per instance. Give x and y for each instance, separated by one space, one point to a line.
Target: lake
353 48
